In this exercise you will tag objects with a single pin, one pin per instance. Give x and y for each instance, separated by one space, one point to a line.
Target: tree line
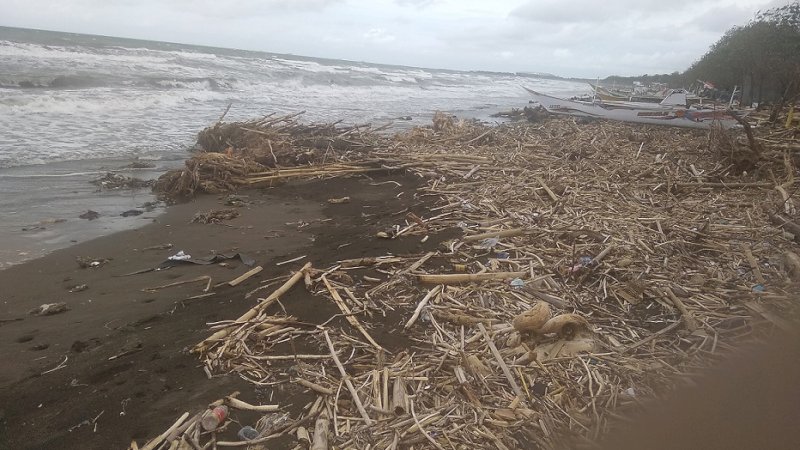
762 58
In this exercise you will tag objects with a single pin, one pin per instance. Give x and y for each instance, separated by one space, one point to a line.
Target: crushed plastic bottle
759 288
517 283
490 243
248 433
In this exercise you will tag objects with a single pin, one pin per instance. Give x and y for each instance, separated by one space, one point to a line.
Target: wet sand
41 205
126 373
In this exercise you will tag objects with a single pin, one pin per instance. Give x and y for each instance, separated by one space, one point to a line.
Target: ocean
74 106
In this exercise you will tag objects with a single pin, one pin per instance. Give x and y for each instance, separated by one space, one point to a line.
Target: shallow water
70 104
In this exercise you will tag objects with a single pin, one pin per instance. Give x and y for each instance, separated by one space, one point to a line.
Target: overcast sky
586 38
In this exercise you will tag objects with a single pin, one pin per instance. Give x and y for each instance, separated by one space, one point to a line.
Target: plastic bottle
212 419
248 433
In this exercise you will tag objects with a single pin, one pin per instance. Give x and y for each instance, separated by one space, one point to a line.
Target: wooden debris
238 280
533 319
457 278
632 264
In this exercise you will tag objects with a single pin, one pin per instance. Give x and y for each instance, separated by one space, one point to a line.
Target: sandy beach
123 349
434 249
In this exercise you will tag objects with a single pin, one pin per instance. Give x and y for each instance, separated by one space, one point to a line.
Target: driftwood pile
269 150
597 265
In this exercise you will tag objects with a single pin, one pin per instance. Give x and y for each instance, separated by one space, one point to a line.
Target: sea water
73 106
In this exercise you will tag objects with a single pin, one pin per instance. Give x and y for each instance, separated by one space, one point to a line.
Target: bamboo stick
456 278
347 381
160 438
240 404
500 361
688 318
494 234
421 305
314 387
348 314
245 276
321 432
399 398
254 311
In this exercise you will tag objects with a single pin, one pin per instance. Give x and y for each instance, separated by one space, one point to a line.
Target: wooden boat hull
676 117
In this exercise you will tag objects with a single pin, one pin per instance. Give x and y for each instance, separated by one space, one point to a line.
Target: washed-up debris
205 278
49 309
338 201
90 215
79 288
237 201
180 256
166 246
622 269
215 216
112 180
132 212
87 262
139 164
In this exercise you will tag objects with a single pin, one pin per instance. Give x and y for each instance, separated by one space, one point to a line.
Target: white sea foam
71 102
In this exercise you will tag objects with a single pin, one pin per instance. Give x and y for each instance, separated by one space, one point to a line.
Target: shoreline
114 316
43 203
485 233
31 232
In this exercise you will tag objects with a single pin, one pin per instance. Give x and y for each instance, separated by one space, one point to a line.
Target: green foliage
764 53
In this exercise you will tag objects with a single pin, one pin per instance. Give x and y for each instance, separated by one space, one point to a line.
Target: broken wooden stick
205 278
688 318
160 438
456 278
399 396
240 404
252 312
494 234
500 361
321 432
547 189
421 305
348 314
347 382
245 276
314 386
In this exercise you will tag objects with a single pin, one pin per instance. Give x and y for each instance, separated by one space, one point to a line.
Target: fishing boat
670 111
609 96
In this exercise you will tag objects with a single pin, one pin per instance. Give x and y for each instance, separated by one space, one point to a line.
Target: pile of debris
243 154
595 264
113 181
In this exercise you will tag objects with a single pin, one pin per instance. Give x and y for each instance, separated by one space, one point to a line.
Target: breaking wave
72 97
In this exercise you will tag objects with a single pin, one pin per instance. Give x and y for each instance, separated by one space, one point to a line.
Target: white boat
665 113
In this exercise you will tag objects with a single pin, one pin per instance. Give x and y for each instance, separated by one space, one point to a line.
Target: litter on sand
594 265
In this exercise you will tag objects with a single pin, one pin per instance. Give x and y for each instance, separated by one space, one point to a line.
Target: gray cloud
579 11
572 38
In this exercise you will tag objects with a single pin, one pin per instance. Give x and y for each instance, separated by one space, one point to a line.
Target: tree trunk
776 110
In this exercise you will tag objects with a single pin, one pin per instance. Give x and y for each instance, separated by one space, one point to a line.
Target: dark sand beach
124 369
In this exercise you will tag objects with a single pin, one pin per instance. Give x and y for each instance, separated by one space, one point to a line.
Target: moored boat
665 113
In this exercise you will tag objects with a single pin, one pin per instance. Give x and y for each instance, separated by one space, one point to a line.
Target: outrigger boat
671 111
608 96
